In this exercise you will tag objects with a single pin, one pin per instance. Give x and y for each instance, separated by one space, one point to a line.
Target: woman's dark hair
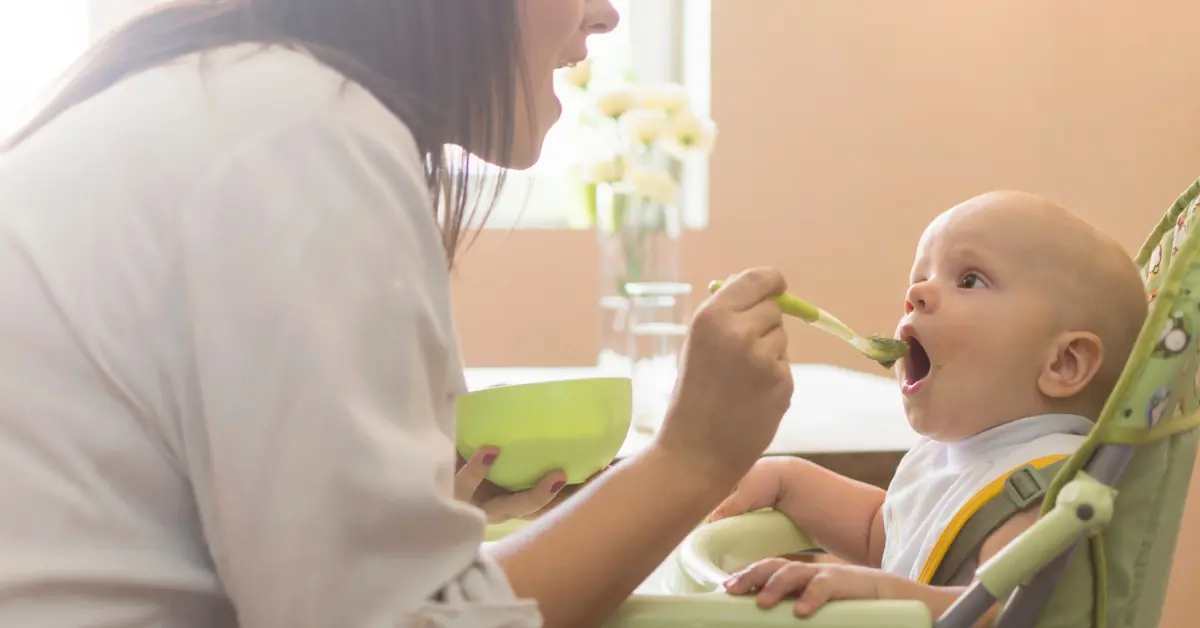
448 68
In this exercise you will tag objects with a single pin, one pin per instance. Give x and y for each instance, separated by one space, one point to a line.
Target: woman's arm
582 559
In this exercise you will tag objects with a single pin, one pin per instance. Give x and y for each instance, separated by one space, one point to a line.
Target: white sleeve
317 425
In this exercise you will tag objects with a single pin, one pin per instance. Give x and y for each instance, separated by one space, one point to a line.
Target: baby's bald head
1088 278
1100 290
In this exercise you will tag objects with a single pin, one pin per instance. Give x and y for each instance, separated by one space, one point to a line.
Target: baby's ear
1071 364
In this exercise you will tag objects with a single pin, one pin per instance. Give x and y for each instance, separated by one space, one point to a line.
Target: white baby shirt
935 480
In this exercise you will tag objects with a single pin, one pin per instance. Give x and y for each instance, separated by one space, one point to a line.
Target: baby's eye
971 281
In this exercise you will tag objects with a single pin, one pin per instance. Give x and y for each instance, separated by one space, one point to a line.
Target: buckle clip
1025 486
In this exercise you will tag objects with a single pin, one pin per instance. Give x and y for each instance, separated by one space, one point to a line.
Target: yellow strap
968 510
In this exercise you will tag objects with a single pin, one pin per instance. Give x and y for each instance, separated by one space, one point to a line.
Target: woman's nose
601 17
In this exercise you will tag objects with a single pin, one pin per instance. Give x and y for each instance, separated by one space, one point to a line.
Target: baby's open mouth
916 363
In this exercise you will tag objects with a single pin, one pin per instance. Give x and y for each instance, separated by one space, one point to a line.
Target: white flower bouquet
635 139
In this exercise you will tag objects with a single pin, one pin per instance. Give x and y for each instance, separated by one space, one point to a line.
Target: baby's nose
921 297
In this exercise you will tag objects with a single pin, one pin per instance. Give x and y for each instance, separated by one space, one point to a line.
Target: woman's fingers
775 344
748 288
734 383
472 474
565 493
763 318
517 505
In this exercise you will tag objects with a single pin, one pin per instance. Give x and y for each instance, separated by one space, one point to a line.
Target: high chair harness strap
1022 488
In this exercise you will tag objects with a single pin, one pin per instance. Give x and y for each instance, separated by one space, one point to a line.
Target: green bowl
575 425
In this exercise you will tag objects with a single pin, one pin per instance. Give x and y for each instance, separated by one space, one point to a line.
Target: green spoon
881 349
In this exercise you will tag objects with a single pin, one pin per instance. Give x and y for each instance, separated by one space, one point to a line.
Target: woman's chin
522 160
526 154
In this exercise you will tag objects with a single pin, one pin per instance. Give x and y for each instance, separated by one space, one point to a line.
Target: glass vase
639 243
658 317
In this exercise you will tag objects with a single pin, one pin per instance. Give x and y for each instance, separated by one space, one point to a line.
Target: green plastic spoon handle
791 305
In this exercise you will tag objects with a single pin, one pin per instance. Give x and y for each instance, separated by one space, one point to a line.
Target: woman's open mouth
916 366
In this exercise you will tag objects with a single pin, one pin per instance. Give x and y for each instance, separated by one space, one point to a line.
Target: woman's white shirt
228 365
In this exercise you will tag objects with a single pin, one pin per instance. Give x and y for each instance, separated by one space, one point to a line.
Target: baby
1019 318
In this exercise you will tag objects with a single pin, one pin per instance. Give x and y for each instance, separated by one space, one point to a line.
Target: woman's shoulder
200 107
246 91
163 129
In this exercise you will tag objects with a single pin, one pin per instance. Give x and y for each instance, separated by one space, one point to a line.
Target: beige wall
847 125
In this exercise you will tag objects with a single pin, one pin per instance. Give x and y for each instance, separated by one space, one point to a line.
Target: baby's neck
1045 407
1015 434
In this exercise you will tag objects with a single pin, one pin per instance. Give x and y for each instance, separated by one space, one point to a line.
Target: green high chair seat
1101 551
697 601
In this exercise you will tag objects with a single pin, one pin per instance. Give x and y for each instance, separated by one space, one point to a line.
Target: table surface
834 410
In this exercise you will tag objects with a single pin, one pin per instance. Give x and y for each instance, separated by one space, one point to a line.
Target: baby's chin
917 416
939 426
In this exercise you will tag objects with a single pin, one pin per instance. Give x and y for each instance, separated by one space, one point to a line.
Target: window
38 40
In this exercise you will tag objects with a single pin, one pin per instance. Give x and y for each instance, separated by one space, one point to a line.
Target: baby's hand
762 487
814 584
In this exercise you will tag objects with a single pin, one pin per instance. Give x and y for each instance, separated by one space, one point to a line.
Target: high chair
1100 553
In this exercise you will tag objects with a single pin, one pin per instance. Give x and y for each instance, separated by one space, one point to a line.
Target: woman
229 364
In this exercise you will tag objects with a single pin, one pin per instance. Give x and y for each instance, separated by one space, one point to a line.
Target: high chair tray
718 610
680 594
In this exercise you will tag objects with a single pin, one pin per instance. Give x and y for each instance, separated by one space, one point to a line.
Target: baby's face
978 323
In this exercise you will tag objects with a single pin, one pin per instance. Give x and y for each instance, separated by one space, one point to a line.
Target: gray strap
1022 488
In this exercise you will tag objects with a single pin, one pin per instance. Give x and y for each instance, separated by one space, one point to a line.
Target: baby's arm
842 515
773 580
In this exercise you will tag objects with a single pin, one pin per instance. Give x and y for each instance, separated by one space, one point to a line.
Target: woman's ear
1074 359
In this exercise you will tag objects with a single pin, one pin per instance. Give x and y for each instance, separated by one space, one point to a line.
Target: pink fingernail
489 459
557 486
